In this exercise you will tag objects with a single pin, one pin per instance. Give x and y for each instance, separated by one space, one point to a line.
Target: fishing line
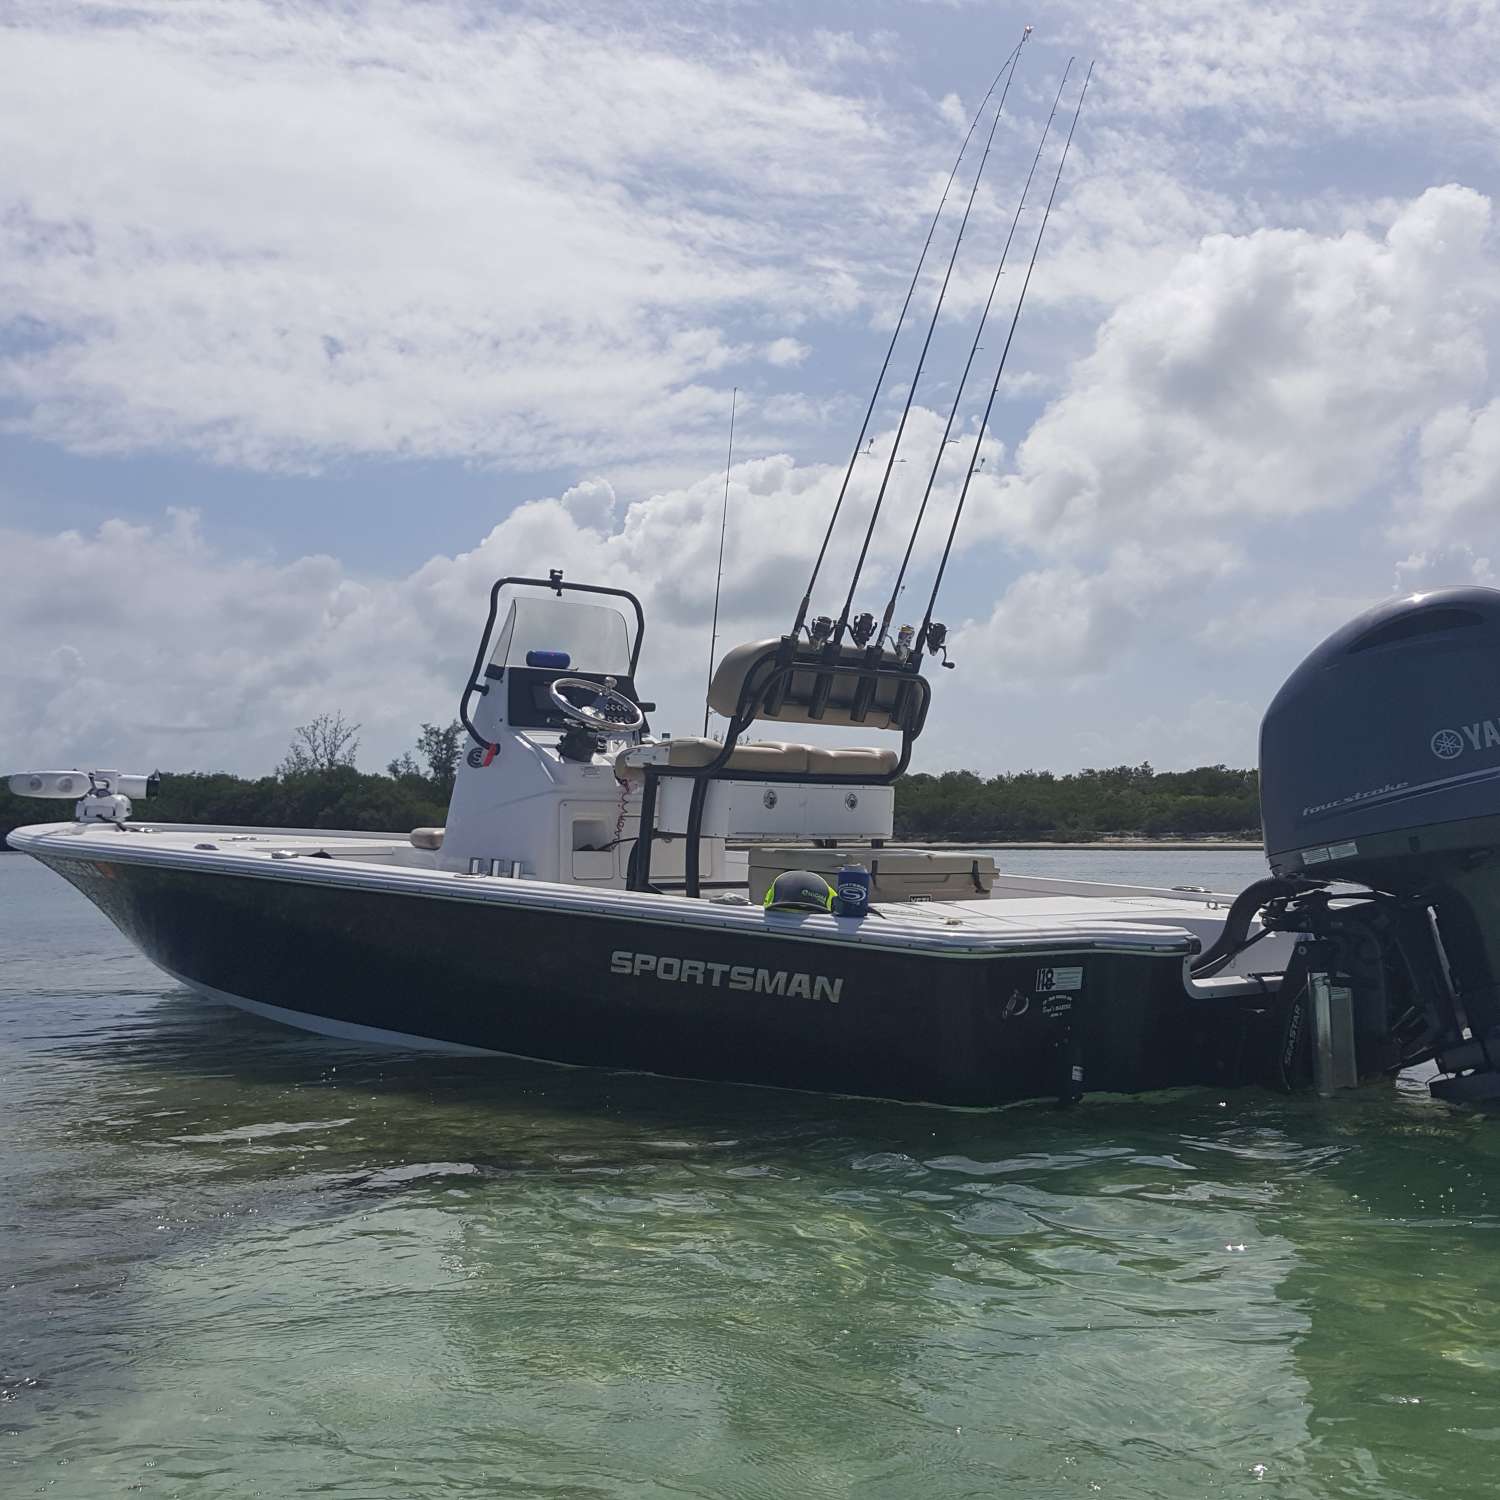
890 608
713 639
921 637
895 334
911 395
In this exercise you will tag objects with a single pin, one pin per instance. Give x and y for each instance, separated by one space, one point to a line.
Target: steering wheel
609 711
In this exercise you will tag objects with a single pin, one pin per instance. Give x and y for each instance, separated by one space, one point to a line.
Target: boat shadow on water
214 1067
573 1235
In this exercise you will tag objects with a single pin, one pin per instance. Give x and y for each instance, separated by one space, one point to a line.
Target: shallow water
239 1261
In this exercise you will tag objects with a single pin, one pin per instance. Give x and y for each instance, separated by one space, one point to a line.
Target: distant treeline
957 805
1039 804
337 798
315 786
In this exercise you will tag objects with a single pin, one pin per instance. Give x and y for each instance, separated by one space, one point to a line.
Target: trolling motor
105 795
1380 769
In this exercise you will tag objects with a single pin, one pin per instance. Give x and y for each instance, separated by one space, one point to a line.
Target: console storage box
895 874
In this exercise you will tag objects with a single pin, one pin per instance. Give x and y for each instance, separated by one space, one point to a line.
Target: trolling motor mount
105 794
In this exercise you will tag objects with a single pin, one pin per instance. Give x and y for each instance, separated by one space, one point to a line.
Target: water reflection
244 1260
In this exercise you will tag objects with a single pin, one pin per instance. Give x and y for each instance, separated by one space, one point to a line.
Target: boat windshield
594 637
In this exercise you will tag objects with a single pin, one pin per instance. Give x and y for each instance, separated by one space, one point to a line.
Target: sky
316 318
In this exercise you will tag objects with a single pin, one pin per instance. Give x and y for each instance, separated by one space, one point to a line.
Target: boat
585 902
588 900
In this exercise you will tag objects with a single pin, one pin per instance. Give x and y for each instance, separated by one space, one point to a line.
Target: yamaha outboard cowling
1380 765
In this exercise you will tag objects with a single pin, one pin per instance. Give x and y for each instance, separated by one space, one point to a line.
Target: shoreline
1124 846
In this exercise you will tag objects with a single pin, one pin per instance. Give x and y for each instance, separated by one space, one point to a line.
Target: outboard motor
1380 766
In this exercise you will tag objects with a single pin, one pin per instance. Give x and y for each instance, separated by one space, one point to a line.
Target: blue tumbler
852 885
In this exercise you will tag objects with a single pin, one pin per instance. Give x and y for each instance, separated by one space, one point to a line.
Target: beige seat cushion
729 676
691 751
426 838
840 760
738 665
790 760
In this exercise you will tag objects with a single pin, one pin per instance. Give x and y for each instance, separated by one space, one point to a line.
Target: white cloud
786 352
1267 379
590 503
1209 730
1458 479
149 646
275 235
1444 565
954 111
1285 68
1269 374
1057 627
1254 387
146 644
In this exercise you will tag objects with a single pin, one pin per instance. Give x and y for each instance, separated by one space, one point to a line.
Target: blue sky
315 318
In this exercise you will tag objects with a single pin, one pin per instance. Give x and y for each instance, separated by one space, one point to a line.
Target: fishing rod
911 394
890 608
921 639
713 639
806 603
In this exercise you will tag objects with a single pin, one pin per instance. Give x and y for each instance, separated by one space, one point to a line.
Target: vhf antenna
713 639
806 603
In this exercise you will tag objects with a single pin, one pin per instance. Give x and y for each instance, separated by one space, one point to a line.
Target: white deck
1031 914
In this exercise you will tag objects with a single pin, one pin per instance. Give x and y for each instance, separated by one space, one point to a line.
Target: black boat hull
588 989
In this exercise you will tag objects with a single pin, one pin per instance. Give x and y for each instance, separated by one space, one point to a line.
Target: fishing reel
862 629
937 641
820 632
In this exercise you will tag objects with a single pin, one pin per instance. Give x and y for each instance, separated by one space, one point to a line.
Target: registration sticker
1060 979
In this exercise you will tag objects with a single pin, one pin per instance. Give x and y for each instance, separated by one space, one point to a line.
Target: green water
237 1261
